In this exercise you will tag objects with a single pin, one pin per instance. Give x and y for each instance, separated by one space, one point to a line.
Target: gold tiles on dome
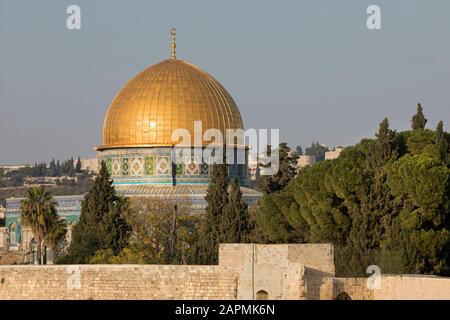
167 96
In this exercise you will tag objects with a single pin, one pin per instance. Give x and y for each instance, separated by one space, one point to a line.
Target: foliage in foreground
385 201
164 231
38 212
226 218
102 224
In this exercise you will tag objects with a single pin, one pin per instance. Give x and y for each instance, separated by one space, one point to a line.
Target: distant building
252 167
138 148
14 167
330 155
16 237
90 164
304 161
138 145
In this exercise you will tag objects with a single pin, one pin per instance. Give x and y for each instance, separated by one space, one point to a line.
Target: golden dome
169 95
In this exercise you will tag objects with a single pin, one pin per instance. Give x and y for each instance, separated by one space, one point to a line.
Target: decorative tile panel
191 168
150 166
137 166
163 165
116 167
204 168
179 169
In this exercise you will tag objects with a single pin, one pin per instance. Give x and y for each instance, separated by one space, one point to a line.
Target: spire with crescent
173 32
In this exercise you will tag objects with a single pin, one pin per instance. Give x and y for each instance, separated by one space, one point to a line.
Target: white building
330 155
14 167
90 164
305 160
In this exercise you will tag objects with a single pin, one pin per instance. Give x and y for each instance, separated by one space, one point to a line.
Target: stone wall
116 282
245 271
356 288
391 287
11 258
413 287
280 270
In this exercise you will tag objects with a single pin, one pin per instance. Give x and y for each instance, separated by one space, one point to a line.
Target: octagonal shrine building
138 148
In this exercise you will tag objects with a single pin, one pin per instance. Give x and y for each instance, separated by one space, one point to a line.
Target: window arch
12 233
343 296
262 295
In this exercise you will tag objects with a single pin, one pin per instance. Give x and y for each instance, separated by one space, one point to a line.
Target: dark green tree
418 121
114 227
78 165
216 198
71 167
287 169
234 224
385 201
441 143
420 185
52 168
101 224
299 151
58 168
316 150
387 145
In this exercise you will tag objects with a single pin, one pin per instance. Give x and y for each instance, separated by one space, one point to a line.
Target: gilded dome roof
167 96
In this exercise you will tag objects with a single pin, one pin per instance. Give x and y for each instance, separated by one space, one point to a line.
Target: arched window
262 295
12 233
343 296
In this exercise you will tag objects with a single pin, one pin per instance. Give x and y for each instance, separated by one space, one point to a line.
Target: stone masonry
245 271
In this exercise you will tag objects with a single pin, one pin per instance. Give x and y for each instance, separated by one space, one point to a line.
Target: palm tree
38 211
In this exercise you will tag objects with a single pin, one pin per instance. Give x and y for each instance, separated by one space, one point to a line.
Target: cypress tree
216 198
418 120
383 202
316 150
78 165
101 225
52 168
287 169
234 226
70 167
115 231
386 147
441 142
58 169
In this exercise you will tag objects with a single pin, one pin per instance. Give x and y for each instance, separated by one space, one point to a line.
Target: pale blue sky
310 68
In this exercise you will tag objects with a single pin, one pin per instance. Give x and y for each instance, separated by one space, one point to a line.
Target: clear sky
310 68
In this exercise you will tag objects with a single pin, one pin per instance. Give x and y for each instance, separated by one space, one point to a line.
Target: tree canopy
384 201
287 169
38 212
226 217
102 224
164 231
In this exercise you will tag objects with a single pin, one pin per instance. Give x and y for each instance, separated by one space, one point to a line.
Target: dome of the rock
164 97
138 131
